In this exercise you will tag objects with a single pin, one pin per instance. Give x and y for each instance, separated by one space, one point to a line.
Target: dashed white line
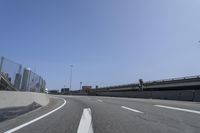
179 109
99 100
85 125
36 119
137 111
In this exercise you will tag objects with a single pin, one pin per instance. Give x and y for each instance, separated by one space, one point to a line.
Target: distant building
25 79
17 81
65 91
86 88
43 85
53 91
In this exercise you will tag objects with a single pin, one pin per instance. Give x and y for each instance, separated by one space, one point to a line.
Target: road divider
137 111
12 99
36 119
85 125
179 109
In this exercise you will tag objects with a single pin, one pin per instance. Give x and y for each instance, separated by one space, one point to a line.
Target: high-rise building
25 79
17 81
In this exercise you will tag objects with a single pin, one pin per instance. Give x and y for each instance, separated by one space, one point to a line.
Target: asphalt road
110 115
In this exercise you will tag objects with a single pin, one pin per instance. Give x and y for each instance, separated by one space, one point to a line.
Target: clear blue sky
109 42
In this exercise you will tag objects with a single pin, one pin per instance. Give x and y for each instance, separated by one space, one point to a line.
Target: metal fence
14 76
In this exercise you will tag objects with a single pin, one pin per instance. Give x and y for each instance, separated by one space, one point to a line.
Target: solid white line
137 111
36 119
85 125
180 109
99 100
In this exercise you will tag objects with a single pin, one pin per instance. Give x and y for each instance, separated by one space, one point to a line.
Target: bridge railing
173 79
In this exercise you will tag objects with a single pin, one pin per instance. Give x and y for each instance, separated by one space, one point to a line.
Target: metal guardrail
174 79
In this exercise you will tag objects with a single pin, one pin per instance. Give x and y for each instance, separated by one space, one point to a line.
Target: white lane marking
36 119
137 111
85 125
99 100
180 109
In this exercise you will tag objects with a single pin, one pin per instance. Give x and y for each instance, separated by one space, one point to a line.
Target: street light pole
71 66
81 85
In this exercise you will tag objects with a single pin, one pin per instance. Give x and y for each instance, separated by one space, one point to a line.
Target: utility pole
70 86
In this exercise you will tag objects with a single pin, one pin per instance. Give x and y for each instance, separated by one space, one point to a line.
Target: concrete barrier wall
183 95
16 99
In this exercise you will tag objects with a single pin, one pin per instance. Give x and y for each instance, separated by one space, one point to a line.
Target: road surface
73 114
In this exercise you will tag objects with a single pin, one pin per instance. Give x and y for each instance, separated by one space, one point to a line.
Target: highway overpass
187 83
185 88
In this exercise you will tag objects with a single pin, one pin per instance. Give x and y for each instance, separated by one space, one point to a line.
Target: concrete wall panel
17 99
183 95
